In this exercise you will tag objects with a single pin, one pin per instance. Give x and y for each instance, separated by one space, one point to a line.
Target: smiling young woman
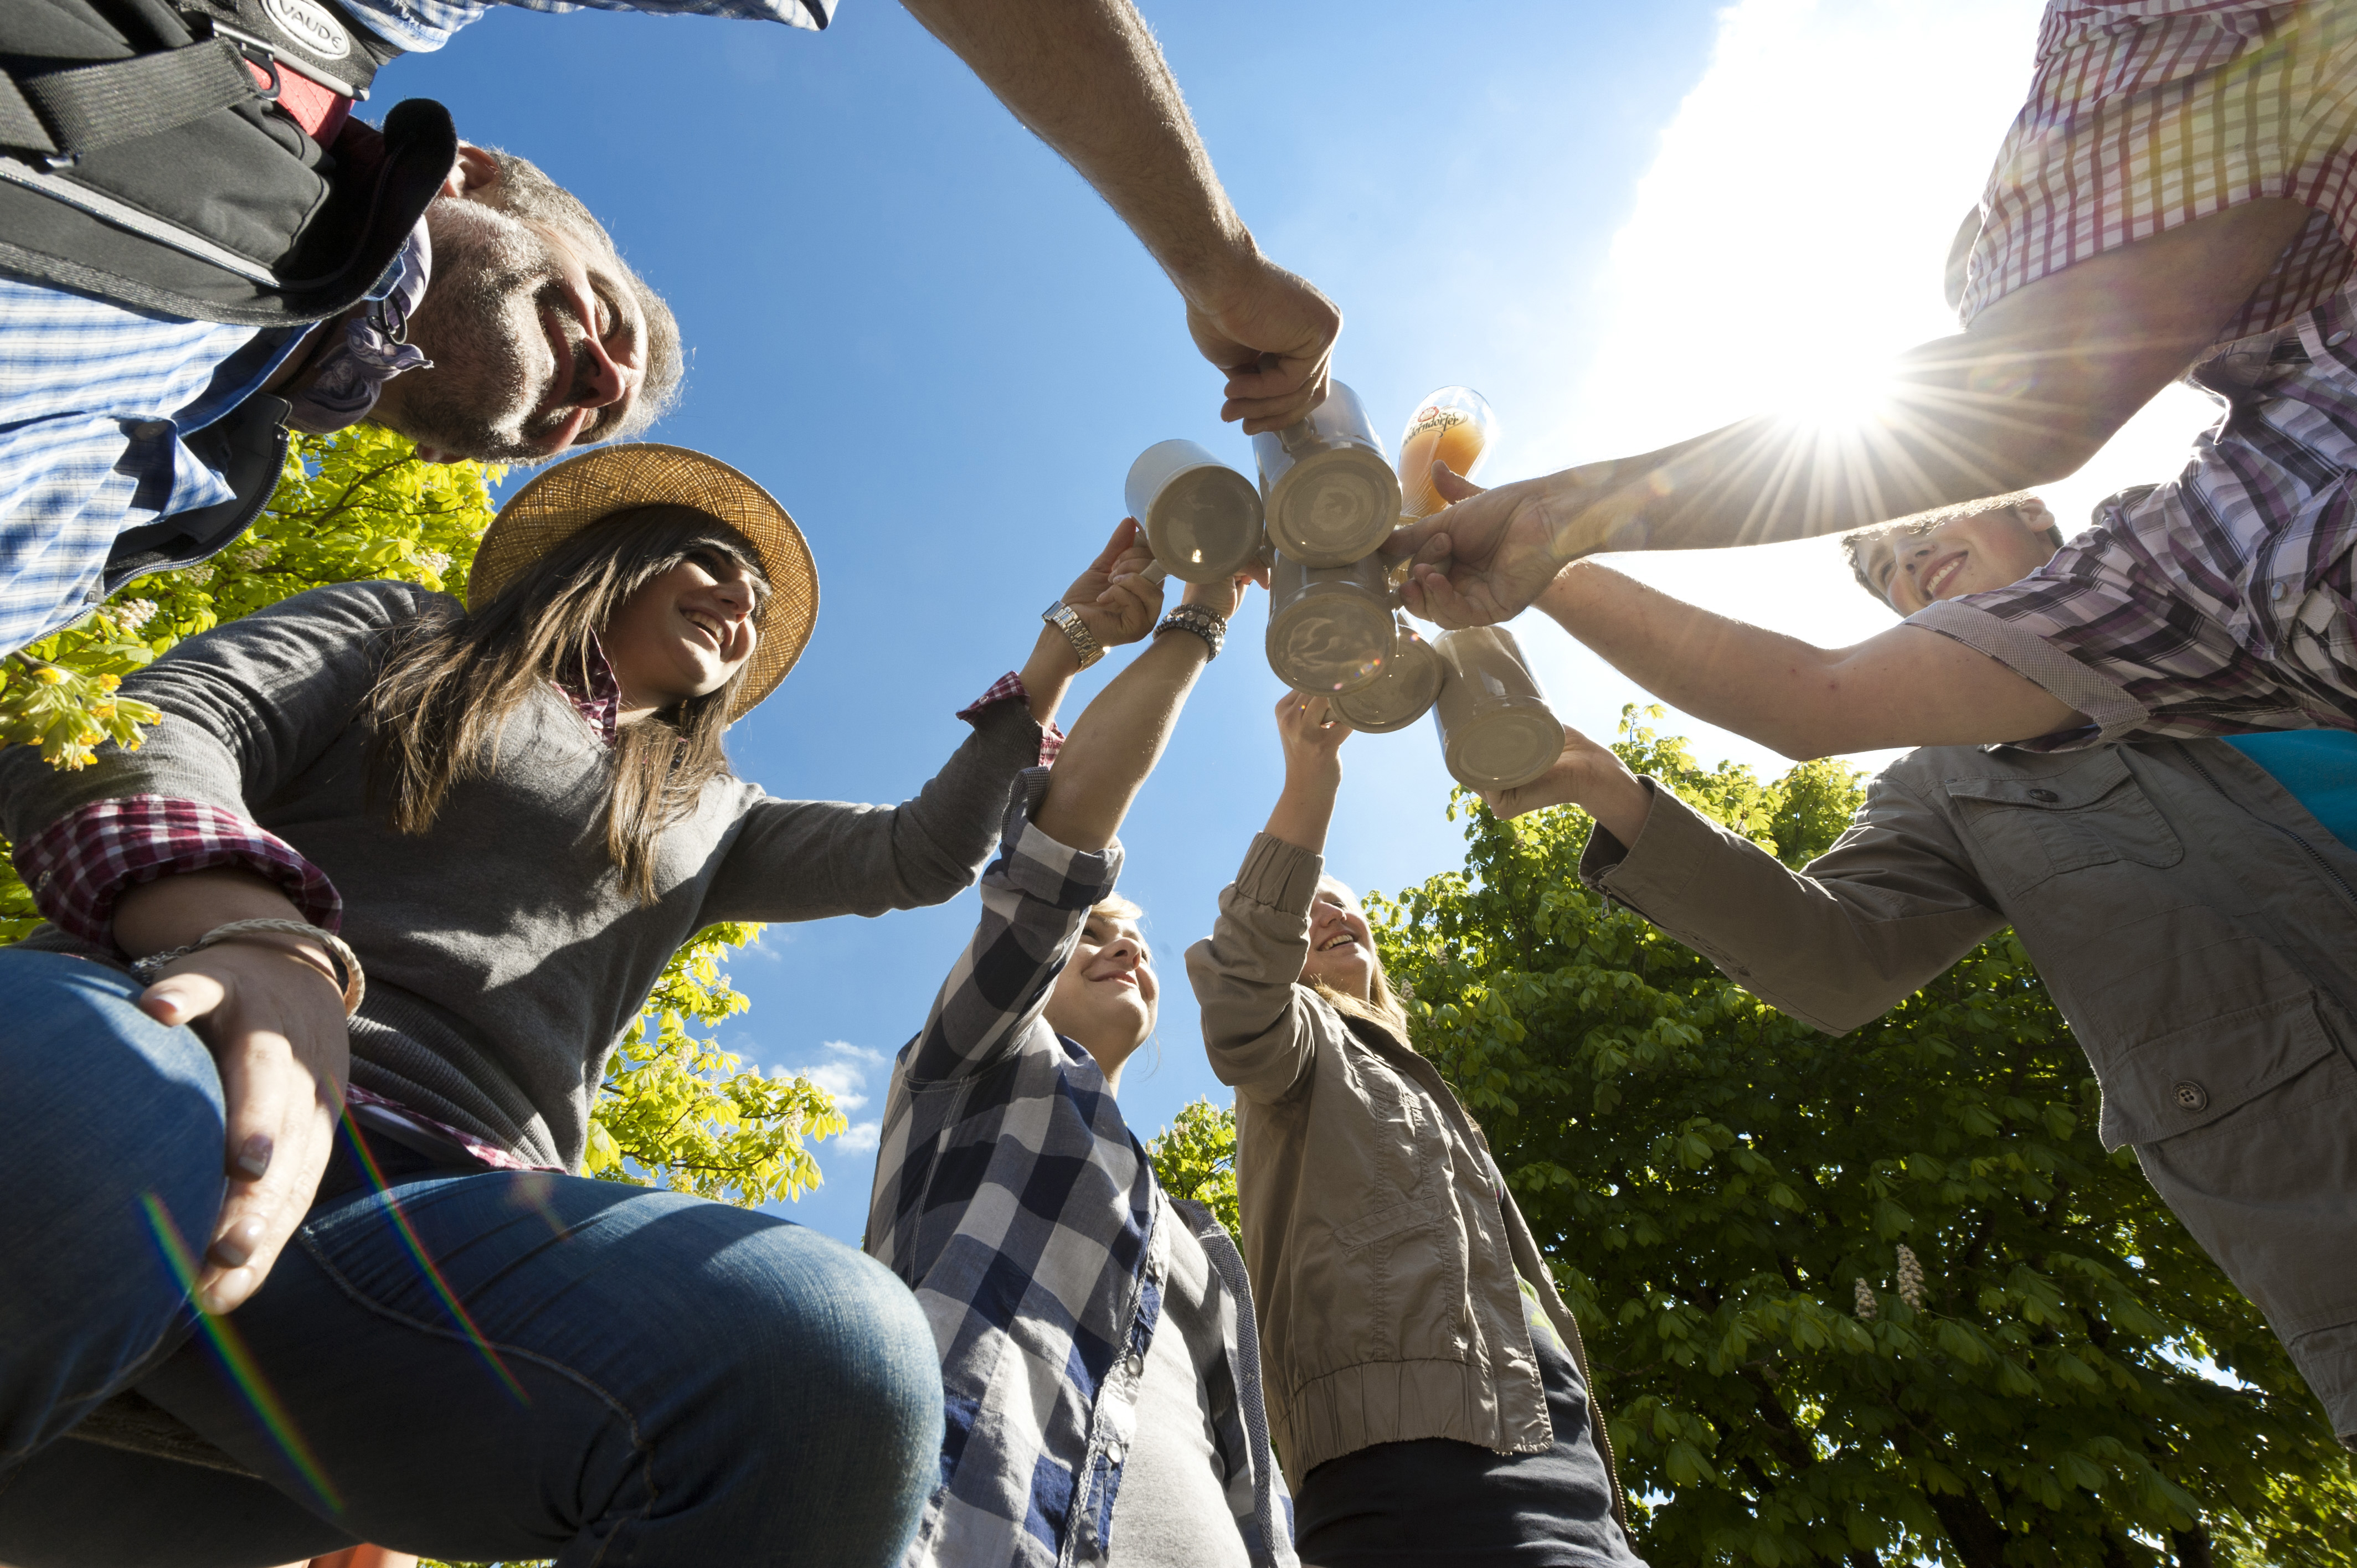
1426 1381
510 814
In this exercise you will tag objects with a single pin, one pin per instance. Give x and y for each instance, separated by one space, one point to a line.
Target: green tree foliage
677 1111
1726 1194
1195 1158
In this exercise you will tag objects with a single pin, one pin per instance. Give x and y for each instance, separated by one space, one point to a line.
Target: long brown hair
1378 1005
449 684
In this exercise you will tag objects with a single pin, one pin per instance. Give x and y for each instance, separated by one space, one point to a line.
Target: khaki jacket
2196 925
1382 1248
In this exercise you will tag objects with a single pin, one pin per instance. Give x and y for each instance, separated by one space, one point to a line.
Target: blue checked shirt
95 398
1016 1202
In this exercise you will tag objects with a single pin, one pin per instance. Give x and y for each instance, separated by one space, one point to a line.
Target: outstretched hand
1223 598
1115 598
1588 776
1312 734
1483 558
1273 334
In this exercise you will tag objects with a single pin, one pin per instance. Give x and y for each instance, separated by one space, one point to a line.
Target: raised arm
1835 944
1058 857
2022 398
1087 78
809 860
1906 686
1256 1025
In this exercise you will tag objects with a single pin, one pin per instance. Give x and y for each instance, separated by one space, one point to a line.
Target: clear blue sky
931 340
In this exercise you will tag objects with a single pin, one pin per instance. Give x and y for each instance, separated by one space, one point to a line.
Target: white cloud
844 1075
1789 236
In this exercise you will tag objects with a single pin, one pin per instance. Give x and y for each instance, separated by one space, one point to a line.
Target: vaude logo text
310 26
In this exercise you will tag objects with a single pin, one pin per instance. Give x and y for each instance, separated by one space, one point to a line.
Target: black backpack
141 162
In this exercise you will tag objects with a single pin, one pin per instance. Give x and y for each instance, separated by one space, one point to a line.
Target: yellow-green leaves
1195 1157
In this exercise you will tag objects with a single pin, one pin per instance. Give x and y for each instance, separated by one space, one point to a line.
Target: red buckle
319 112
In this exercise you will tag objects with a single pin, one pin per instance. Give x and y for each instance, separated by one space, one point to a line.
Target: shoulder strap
65 113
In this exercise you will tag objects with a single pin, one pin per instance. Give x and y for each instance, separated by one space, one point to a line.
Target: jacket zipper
2306 848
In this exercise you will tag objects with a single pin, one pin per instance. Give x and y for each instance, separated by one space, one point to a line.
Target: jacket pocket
2033 827
1385 1222
2184 1081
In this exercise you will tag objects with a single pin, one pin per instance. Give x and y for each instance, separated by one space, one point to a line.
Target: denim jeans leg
111 1133
533 1366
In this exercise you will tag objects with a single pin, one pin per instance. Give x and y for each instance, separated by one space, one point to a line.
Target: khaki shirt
2193 922
1382 1250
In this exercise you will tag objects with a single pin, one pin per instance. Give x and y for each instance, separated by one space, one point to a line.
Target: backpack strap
64 114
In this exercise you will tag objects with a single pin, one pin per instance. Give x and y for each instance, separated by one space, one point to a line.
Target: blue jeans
463 1364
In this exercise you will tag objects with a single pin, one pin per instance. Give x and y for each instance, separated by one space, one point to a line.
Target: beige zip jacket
2196 925
1382 1248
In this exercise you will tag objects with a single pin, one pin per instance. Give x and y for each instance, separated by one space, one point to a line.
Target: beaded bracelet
1207 624
355 982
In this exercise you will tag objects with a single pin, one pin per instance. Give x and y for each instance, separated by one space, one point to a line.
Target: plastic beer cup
1202 518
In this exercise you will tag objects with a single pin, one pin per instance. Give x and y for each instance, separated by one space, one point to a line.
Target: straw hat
582 490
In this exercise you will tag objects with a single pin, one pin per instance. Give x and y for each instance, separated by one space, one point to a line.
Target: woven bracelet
355 982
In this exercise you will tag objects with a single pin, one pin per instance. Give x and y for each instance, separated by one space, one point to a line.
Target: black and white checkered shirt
1016 1202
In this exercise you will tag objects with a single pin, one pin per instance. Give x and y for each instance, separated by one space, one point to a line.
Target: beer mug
1403 694
1329 492
1496 730
1329 628
1203 518
1455 424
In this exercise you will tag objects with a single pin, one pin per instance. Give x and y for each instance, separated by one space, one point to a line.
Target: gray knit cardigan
504 957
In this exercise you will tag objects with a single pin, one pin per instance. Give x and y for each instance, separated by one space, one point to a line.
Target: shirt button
2338 338
2191 1096
1135 1364
152 429
2276 591
2047 795
1112 1453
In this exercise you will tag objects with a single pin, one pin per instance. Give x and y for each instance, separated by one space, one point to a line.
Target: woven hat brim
585 490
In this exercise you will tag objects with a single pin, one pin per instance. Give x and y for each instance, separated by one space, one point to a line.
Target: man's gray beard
480 323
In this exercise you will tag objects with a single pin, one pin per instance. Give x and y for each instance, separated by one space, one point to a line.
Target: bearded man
200 247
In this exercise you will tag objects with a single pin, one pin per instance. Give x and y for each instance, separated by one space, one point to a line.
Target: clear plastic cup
1202 518
1496 729
1405 692
1329 628
1332 497
1455 424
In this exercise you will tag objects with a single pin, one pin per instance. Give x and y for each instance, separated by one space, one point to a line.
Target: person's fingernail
253 1158
234 1246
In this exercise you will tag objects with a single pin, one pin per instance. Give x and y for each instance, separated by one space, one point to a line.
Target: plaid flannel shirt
99 398
2145 115
1017 1203
2219 603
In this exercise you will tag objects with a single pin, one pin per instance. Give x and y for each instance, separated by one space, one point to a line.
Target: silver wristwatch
1067 620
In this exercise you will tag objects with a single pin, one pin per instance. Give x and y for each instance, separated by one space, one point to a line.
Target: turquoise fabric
2318 766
